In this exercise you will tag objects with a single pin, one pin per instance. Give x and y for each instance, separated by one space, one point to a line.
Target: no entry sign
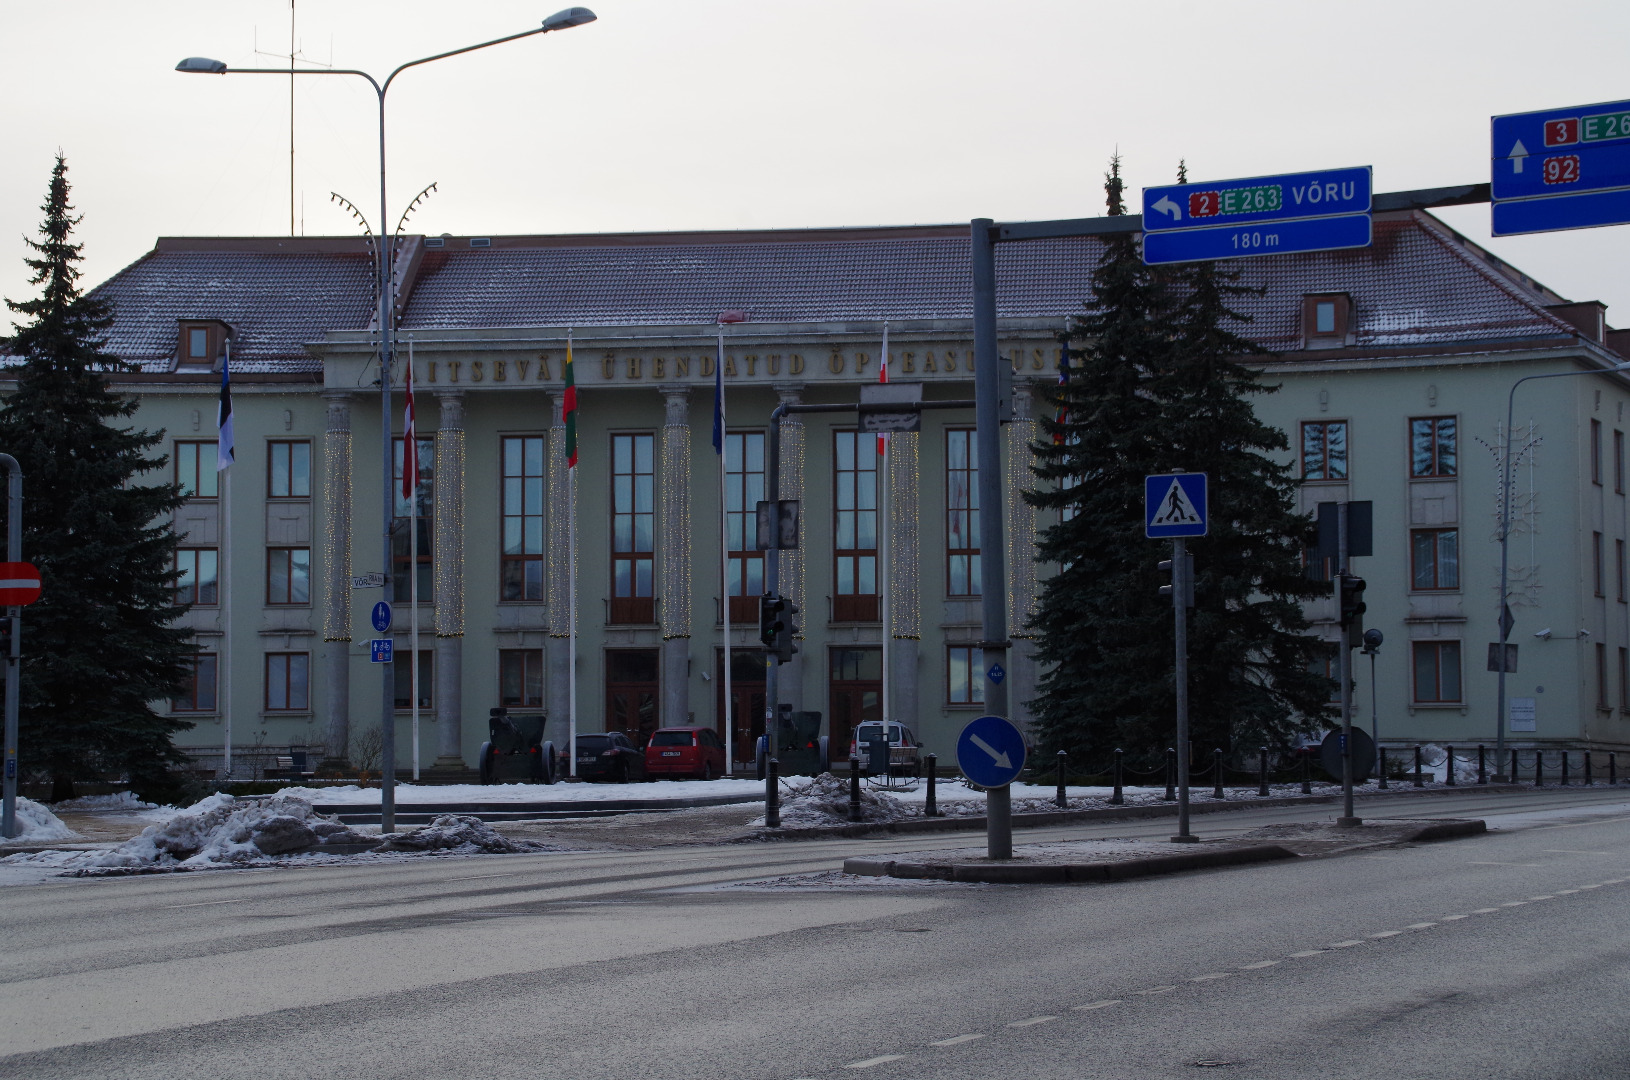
19 583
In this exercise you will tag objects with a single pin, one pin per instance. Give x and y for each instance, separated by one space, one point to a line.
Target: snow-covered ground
38 825
500 793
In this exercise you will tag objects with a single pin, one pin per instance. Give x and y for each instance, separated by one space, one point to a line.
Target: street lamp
1504 615
200 65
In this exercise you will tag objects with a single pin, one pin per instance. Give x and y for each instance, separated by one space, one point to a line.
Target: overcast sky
684 114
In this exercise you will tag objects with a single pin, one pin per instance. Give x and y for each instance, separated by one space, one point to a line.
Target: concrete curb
1062 873
1447 830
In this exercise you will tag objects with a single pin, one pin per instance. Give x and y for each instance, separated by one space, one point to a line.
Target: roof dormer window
201 344
1326 320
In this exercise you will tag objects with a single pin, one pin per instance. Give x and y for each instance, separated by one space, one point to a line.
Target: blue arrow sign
990 751
382 616
1174 504
1326 193
1244 241
1561 151
381 650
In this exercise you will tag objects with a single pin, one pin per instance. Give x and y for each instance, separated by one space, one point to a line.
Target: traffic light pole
1182 587
1345 669
772 586
14 553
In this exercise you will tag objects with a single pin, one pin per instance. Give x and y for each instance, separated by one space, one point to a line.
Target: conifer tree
99 646
1158 387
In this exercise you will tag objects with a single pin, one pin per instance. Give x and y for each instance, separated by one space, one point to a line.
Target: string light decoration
1021 517
337 522
449 523
792 487
905 585
675 524
559 518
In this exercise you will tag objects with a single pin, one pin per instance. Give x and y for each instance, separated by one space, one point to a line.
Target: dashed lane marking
879 1060
1210 977
1566 892
1453 918
1514 903
1032 1021
957 1040
210 903
1485 911
1156 990
1097 1005
1537 899
1308 952
1569 851
1386 934
1502 864
1422 925
1344 944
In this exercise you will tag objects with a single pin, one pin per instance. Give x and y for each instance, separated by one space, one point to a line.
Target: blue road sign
1174 504
381 650
1326 193
1586 211
382 616
997 673
1244 241
990 751
1561 151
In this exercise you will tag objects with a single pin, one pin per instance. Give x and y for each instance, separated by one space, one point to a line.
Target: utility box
800 747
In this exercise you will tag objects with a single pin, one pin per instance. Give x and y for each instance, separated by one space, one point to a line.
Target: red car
684 751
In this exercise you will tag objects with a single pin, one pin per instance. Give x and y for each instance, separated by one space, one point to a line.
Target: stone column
558 573
335 559
904 580
448 559
1021 552
791 686
674 554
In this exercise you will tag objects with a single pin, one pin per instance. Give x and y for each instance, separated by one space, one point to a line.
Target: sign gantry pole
14 611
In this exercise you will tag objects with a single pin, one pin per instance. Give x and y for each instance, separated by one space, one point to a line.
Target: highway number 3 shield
990 751
19 584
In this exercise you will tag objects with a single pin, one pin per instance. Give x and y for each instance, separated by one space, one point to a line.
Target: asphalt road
1502 956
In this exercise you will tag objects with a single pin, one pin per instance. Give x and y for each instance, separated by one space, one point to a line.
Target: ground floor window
1437 671
855 690
520 678
288 681
404 678
963 683
746 701
632 686
198 691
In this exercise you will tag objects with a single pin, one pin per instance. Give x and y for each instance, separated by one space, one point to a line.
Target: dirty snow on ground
119 800
37 824
407 794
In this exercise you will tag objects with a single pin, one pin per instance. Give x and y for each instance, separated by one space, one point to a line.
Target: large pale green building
1393 364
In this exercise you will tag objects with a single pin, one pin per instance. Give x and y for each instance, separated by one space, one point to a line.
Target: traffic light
775 627
785 647
769 617
1182 581
1352 605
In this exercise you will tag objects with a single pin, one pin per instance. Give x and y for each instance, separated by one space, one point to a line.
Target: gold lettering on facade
950 359
861 360
681 366
772 364
634 367
452 370
834 363
659 367
730 366
796 365
752 362
475 371
432 371
929 364
909 363
1035 360
498 373
707 367
520 370
608 367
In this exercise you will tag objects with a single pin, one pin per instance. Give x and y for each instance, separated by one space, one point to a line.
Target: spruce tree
1159 387
100 645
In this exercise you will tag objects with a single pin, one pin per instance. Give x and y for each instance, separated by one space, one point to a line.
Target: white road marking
1422 925
1259 964
1502 864
1098 1005
1208 978
1344 944
1452 918
1486 911
869 1062
1566 892
1536 899
1155 990
1387 934
1033 1021
1308 952
1514 903
208 903
1568 851
956 1041
1590 886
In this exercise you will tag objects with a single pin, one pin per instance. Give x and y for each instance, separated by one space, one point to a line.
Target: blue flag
224 452
718 399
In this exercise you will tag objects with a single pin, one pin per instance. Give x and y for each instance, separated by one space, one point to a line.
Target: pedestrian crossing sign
1174 504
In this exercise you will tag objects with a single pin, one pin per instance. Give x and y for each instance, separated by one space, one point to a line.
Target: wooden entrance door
855 691
632 686
747 705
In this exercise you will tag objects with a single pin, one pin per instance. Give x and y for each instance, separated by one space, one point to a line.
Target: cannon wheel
550 762
484 764
824 765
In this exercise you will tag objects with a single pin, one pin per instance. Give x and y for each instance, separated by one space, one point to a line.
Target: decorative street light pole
197 65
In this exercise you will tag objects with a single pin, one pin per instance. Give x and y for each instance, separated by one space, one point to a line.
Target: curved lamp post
1503 622
199 65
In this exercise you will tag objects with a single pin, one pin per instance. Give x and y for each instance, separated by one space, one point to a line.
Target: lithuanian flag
570 410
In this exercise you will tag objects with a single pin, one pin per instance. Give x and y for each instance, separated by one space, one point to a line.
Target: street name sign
1174 504
1561 168
990 751
368 581
1263 215
381 650
19 584
382 617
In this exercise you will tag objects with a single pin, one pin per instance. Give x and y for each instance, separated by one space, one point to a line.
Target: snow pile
38 825
450 832
119 800
825 801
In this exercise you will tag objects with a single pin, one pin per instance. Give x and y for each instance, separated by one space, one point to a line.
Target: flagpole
883 535
724 555
412 433
571 570
225 454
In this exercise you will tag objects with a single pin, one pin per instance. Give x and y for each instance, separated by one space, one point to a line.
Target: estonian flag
718 398
224 452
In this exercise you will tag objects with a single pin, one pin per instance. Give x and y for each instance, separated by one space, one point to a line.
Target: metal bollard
1613 769
1564 780
1419 782
1539 768
1117 799
1061 801
854 789
931 806
1307 771
1482 769
1589 779
1383 756
1171 774
1513 766
1262 767
1217 769
772 794
1449 767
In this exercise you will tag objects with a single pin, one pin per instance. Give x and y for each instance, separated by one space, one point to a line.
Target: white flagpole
413 562
724 563
223 580
883 542
571 606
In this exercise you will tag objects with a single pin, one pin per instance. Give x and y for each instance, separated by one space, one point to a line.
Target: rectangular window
1435 558
197 692
1618 462
1324 450
403 675
1433 446
1624 679
195 469
522 574
288 575
633 518
196 581
288 470
963 682
520 678
423 505
197 343
1596 561
1601 676
743 488
854 544
1437 672
288 681
1618 565
962 576
1596 451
